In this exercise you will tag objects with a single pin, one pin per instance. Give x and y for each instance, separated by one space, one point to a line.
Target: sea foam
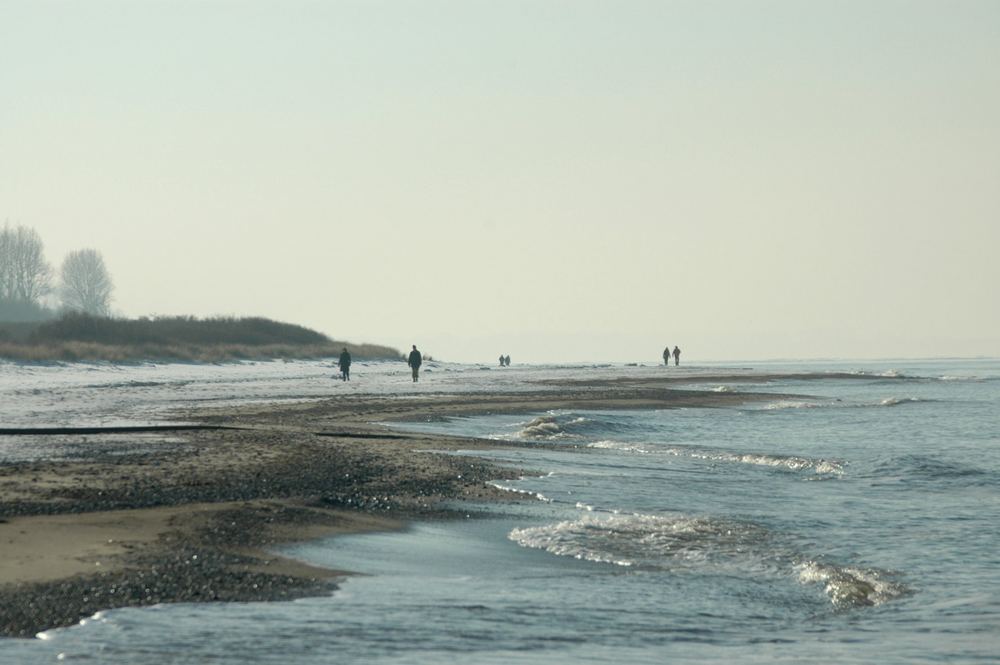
650 541
550 427
679 543
785 462
849 586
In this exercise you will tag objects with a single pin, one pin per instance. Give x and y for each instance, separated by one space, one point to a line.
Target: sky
557 180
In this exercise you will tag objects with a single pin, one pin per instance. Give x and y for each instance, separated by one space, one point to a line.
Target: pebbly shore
203 512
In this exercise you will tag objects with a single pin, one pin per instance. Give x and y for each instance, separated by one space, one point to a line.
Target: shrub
77 336
254 331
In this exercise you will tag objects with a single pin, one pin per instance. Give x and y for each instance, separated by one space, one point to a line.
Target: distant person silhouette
345 365
666 356
677 356
501 361
414 360
507 361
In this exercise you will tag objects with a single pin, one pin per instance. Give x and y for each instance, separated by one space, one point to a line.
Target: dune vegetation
82 337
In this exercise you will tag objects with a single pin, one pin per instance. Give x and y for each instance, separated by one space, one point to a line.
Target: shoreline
196 520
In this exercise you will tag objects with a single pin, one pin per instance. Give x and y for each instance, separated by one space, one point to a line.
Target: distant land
82 337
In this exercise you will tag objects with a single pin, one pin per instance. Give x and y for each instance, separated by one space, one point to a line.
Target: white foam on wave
884 374
678 543
619 445
515 490
783 404
654 541
896 401
789 462
830 466
850 586
549 427
789 404
722 389
542 426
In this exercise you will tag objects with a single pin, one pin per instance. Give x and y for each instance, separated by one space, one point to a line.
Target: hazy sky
552 179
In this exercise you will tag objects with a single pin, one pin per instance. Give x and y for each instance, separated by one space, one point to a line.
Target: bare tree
86 284
25 275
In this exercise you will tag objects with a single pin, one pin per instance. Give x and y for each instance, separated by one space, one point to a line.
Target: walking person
506 361
501 360
414 360
666 356
677 356
345 365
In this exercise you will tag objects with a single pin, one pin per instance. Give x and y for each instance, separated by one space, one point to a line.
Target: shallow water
858 524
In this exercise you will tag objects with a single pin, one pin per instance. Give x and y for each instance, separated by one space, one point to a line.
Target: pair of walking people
414 360
676 354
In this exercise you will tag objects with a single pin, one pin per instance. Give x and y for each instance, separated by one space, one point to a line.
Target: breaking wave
647 541
620 445
551 427
896 401
783 404
680 543
572 426
852 587
895 376
596 426
792 404
786 462
885 374
789 462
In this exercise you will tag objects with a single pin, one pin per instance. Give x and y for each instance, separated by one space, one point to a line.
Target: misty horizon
560 184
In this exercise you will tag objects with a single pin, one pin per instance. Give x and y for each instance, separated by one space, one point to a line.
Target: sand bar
196 520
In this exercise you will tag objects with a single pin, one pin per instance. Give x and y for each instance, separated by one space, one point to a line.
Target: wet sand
197 519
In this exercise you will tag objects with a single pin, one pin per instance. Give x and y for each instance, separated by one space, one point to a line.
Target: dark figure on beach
506 361
666 356
345 365
677 356
501 361
414 361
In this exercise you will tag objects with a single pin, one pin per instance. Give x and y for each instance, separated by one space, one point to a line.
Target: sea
851 516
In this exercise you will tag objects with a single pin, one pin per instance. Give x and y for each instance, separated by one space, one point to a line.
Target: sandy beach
196 520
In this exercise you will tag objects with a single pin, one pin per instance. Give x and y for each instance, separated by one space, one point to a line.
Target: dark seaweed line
133 429
113 429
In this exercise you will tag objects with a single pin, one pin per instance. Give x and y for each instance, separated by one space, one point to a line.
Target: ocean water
858 522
